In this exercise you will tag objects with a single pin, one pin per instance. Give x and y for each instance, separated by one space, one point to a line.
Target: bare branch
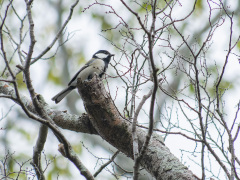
151 36
117 131
134 134
37 150
61 118
137 16
57 35
1 39
106 164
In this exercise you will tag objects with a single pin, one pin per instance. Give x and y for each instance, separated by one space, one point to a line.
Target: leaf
191 88
199 6
21 84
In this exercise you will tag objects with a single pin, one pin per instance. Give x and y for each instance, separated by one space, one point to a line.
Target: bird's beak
112 55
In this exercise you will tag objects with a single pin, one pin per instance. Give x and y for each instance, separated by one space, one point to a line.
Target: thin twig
134 134
106 164
57 35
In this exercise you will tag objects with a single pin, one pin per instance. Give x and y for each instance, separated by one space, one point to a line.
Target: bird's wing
85 66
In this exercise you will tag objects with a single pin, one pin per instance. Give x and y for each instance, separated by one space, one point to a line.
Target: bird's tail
62 94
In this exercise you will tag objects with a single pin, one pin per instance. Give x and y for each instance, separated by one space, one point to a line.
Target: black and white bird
97 65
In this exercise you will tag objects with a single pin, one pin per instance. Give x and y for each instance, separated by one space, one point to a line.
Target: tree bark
116 130
104 119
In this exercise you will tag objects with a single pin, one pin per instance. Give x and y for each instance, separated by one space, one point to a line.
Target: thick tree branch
61 118
47 120
112 127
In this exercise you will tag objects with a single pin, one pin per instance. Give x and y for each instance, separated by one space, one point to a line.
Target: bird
98 64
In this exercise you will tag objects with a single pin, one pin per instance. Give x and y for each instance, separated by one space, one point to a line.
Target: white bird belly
96 67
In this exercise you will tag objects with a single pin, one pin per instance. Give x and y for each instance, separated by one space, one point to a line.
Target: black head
103 54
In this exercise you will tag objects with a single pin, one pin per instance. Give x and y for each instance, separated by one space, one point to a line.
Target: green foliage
238 44
52 75
81 59
183 27
77 148
199 7
101 18
191 88
58 168
26 135
212 82
225 85
17 166
20 82
145 7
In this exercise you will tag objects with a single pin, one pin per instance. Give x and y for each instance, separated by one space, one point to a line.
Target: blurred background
96 26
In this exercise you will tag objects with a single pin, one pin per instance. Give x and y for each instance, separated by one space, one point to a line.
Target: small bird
97 65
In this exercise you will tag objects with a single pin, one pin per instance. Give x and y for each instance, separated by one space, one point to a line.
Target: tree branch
61 118
42 136
134 134
112 127
57 35
106 164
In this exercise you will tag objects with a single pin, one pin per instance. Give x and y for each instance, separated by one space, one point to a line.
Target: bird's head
103 54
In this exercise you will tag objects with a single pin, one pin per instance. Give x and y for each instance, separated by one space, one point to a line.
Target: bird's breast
96 67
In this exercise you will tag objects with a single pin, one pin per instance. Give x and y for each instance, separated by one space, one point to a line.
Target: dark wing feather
85 66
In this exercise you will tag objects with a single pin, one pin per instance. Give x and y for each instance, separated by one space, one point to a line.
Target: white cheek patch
101 55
